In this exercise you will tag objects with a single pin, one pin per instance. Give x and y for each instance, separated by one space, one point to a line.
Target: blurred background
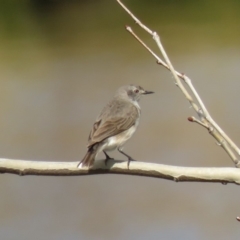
61 61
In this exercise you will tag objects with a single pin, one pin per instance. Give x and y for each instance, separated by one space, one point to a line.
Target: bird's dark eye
136 91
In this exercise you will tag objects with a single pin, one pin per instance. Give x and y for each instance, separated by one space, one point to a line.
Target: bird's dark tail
88 159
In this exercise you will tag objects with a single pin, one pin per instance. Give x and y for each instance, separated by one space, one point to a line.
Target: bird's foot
130 160
107 158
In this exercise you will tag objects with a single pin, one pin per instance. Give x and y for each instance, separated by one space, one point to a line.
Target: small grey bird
115 125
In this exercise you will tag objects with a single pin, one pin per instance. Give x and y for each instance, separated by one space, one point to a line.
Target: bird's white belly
118 140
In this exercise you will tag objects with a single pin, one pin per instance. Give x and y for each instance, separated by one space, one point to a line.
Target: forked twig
204 118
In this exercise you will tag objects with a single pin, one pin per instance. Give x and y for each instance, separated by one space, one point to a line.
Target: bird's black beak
147 92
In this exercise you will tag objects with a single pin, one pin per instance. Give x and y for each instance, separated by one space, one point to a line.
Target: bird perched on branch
115 125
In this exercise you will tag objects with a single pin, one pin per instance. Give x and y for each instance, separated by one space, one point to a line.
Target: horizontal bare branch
174 173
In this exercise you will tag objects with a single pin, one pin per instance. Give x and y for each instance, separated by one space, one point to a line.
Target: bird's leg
107 158
129 157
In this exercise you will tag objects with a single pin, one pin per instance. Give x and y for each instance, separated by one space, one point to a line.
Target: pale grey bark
174 173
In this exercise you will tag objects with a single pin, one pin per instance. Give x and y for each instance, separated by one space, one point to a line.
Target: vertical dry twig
204 118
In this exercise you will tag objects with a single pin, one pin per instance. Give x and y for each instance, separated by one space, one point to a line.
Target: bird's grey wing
111 126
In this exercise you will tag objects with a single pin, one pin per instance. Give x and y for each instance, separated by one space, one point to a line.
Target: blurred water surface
61 62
